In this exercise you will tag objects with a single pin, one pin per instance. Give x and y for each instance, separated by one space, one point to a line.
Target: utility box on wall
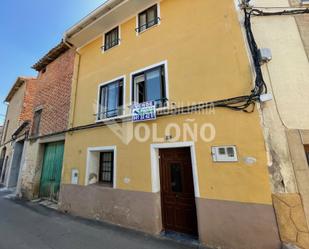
74 176
226 153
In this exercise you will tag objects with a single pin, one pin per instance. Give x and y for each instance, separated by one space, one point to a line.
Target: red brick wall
29 97
53 94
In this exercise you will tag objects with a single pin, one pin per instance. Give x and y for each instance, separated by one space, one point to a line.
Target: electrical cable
258 12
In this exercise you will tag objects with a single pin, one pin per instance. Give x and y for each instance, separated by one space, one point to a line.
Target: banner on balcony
144 111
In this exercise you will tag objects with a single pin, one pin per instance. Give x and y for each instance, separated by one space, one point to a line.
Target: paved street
25 225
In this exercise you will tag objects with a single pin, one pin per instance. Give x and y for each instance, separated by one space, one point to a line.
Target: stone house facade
16 128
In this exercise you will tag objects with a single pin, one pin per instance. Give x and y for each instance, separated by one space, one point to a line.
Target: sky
28 30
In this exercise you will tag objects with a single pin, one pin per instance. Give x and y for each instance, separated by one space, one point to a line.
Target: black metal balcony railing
160 103
110 113
148 25
107 46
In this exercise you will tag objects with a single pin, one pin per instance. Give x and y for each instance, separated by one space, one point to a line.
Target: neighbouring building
203 174
42 166
16 129
286 117
1 157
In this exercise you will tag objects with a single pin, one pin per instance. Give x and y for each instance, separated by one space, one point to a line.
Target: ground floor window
101 166
106 167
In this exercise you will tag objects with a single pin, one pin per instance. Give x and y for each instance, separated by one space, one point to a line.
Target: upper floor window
36 123
111 100
111 38
150 85
148 18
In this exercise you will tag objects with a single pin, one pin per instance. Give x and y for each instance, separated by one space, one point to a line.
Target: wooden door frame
155 166
155 169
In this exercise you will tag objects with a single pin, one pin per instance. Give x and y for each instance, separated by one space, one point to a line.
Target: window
150 86
307 152
111 100
148 18
106 170
36 123
111 38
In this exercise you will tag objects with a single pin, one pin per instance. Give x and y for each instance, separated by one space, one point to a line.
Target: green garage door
51 171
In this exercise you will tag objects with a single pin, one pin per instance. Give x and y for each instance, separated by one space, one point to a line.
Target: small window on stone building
307 152
36 123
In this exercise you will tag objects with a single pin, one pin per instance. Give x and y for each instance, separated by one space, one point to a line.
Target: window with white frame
111 39
101 166
148 18
150 85
111 99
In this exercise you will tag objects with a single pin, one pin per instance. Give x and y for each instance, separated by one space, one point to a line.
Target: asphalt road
26 225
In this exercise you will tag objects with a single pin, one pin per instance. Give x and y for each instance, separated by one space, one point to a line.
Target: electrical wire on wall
251 11
258 12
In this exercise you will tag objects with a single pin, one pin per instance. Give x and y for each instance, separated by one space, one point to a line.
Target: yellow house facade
201 172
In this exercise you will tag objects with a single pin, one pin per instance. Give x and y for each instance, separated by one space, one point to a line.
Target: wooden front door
51 171
177 191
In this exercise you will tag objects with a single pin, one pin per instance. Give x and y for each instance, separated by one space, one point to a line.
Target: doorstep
186 239
46 203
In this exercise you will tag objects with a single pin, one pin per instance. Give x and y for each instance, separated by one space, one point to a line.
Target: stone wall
291 219
31 170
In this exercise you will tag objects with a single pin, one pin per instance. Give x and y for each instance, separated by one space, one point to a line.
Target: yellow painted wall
227 181
204 49
207 60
